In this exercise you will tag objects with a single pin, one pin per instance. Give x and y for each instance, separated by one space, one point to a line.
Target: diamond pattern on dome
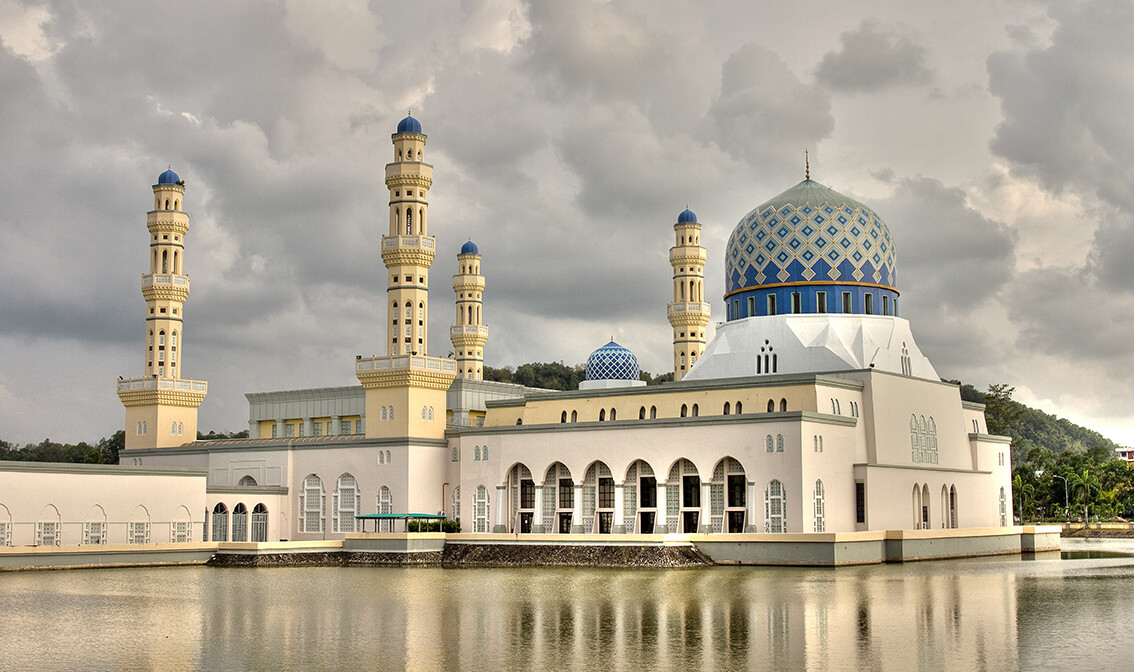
612 362
805 226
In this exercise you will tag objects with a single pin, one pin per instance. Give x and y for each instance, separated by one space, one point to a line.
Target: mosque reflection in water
877 618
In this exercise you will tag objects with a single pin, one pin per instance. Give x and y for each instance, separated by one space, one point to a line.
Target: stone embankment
511 555
482 555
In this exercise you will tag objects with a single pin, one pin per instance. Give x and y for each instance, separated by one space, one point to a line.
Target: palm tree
1023 492
1081 483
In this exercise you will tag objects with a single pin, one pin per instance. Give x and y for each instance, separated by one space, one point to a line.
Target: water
984 614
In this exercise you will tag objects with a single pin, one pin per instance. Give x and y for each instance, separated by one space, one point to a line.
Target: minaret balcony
151 383
468 329
690 311
166 286
423 362
408 250
694 255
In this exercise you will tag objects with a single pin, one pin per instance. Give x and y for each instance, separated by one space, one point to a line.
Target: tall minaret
688 313
405 389
161 407
408 250
469 333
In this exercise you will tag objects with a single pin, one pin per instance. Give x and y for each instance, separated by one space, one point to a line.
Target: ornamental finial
806 166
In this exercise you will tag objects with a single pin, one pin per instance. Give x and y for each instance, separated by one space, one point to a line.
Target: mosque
812 409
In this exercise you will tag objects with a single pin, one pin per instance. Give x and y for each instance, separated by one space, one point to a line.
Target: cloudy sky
994 137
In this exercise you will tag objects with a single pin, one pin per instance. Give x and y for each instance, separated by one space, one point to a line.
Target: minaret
405 390
688 313
469 333
408 250
161 407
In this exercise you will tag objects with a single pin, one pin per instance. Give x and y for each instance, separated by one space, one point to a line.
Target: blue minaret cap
469 248
168 177
409 125
687 216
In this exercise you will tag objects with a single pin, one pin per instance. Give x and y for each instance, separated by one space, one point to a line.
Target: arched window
456 454
94 530
768 445
409 221
385 506
220 524
602 414
738 408
684 410
484 453
381 457
642 413
820 518
391 412
480 509
775 518
653 412
613 415
260 523
476 454
696 411
165 261
345 504
180 428
240 522
1003 509
563 417
246 481
727 408
312 505
953 506
423 412
456 513
771 406
779 443
383 412
574 416
431 413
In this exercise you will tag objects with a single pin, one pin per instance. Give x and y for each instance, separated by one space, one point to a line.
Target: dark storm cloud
949 254
873 58
1066 108
765 115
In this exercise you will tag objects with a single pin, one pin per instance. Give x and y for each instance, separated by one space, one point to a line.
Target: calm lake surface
984 614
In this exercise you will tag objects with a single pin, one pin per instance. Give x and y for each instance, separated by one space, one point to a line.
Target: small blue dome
687 216
409 125
168 177
612 362
469 248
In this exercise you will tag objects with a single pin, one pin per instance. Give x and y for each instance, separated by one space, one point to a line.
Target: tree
1081 484
1000 411
1022 491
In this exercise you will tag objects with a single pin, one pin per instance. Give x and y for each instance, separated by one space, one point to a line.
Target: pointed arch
775 514
312 505
240 522
345 503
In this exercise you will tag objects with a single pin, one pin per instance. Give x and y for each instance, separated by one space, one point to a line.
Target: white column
501 506
577 511
705 524
619 526
537 524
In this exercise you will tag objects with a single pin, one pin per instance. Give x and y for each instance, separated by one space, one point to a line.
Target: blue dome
168 177
612 362
810 234
469 248
409 125
687 216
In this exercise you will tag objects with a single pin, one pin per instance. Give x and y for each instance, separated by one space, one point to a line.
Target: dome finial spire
806 166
